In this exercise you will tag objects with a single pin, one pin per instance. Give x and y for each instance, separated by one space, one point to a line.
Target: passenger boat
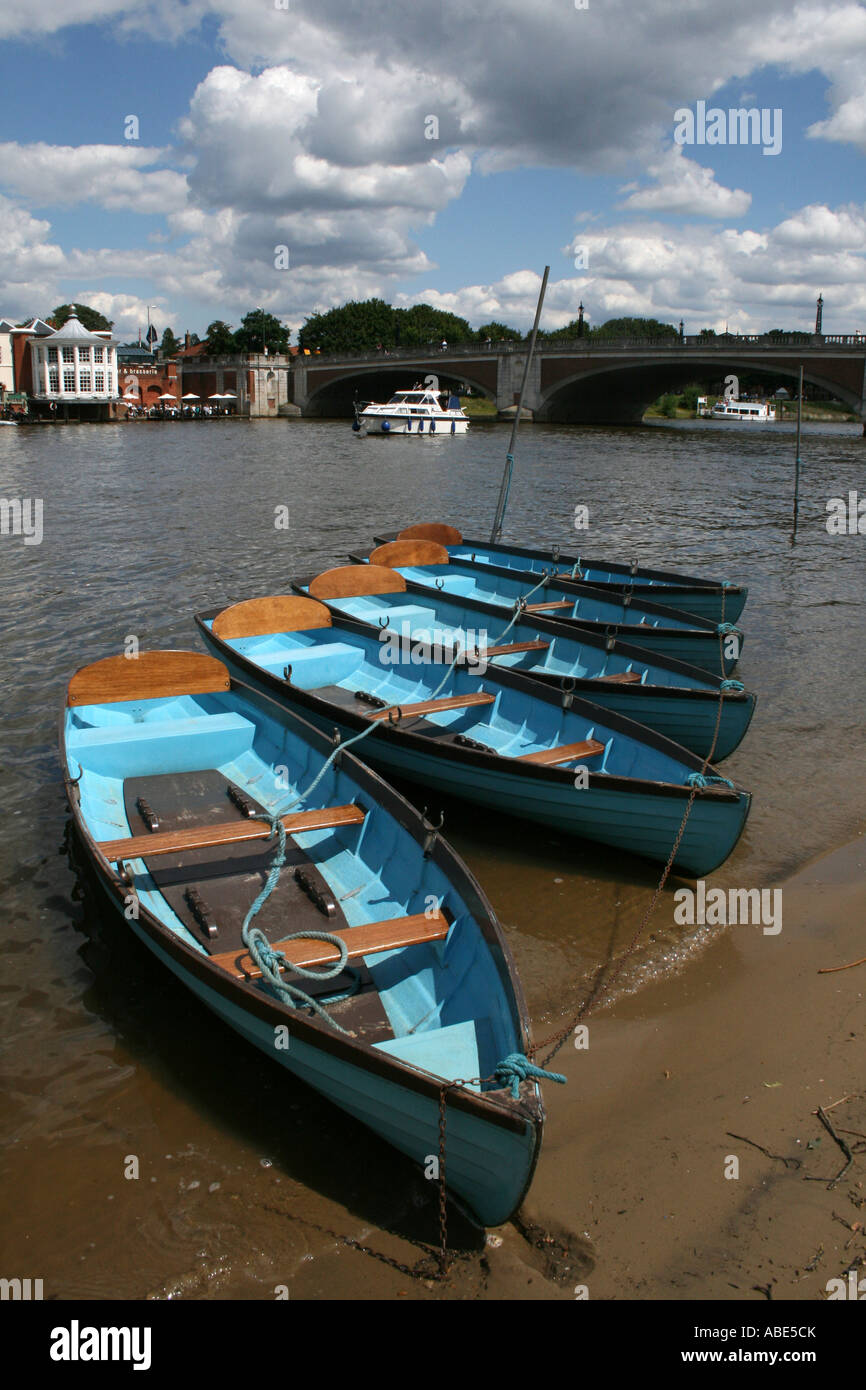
414 412
502 740
425 565
177 776
753 412
717 601
677 700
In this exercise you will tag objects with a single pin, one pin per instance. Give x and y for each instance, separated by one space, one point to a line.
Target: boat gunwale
672 577
702 626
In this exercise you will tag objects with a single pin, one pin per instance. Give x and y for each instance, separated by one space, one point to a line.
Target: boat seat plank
449 702
543 607
507 648
229 832
622 677
366 940
565 753
149 676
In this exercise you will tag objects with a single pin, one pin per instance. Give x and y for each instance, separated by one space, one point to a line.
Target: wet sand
750 1039
630 1200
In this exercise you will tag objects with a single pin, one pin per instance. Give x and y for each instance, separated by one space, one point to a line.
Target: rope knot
724 628
516 1068
732 685
699 779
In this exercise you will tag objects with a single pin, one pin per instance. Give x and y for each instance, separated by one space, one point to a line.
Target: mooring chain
556 1040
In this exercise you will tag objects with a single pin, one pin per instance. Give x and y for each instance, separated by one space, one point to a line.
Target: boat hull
489 1168
640 816
704 598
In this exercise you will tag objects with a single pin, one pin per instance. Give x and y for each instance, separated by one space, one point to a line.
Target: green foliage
789 335
636 328
497 332
359 326
365 325
690 395
91 319
707 333
219 338
260 329
668 406
422 325
169 345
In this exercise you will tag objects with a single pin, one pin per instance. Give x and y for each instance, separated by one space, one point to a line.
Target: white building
7 366
73 366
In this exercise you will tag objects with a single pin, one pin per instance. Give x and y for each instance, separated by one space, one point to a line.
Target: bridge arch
619 392
335 397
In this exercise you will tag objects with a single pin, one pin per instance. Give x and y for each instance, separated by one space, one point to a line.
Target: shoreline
748 1040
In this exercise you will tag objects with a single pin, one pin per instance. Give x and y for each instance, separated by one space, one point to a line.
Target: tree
636 328
259 330
422 324
497 332
169 345
91 319
219 338
359 326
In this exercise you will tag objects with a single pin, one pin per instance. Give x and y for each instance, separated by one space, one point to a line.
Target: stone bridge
586 381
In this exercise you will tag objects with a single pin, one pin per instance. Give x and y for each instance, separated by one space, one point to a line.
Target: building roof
73 331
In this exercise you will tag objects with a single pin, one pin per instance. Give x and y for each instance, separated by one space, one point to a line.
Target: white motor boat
414 412
757 412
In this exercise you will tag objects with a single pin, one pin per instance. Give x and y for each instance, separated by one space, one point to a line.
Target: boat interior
353 672
174 768
368 594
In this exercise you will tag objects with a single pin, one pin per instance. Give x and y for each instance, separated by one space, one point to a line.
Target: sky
193 159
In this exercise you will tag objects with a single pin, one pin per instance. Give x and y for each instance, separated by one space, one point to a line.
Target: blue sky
301 128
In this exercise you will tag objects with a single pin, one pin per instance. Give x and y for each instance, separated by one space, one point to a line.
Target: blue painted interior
448 1006
515 724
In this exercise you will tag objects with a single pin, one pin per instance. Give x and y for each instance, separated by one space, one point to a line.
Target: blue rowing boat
717 601
426 565
187 789
502 740
678 701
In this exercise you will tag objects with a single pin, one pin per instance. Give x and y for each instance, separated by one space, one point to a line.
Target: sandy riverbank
749 1040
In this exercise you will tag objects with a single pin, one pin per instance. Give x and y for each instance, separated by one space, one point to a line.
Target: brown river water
105 1056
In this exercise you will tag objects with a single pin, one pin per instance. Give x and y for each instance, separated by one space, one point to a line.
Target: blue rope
699 779
516 1068
732 685
269 961
723 628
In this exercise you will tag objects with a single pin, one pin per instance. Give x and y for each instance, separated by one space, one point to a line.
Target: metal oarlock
634 566
385 622
609 640
432 834
568 684
554 554
287 673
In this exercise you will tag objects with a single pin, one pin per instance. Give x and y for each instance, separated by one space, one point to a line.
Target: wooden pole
797 462
505 485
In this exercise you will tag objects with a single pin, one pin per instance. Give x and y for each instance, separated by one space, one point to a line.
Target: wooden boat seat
431 531
149 676
350 581
228 832
622 677
396 554
565 753
507 648
545 607
449 702
366 940
276 613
